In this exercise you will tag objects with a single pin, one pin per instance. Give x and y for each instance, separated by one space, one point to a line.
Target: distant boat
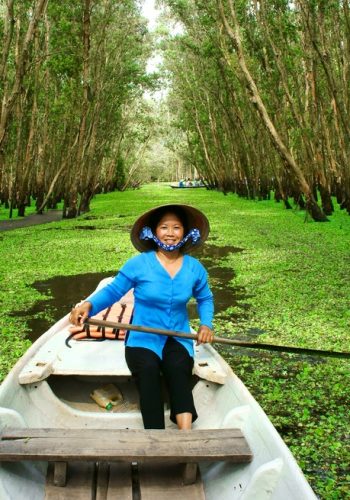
184 186
46 396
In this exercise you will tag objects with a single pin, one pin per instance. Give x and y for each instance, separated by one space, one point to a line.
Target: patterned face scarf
147 234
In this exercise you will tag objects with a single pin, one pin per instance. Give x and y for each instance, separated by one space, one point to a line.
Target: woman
164 278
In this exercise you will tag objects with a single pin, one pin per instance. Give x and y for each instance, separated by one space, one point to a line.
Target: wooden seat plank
160 481
120 484
102 480
113 481
124 445
80 483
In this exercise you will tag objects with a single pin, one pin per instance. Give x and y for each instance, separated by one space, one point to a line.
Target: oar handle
144 329
218 340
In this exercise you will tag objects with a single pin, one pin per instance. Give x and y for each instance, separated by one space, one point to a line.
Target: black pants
176 367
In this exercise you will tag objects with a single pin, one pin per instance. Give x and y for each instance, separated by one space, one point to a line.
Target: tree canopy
73 74
257 101
260 90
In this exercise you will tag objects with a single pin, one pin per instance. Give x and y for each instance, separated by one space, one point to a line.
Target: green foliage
297 60
12 347
78 103
65 61
305 281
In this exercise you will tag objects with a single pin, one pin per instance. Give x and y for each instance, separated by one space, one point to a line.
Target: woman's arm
103 298
205 307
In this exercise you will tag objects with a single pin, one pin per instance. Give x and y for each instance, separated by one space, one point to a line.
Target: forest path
31 220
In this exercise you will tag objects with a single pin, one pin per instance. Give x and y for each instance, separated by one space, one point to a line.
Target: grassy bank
292 273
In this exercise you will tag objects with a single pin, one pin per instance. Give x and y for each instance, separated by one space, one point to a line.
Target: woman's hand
80 313
204 334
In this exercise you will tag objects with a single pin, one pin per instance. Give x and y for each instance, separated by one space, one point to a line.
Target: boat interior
68 404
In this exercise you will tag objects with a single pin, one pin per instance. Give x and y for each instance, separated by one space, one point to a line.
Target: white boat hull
41 391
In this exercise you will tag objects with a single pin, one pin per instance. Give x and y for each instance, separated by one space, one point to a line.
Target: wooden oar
219 340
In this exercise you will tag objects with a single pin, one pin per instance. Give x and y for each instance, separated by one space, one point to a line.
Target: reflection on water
68 290
64 291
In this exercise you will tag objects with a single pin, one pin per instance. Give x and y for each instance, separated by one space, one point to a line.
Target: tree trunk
70 207
21 68
51 188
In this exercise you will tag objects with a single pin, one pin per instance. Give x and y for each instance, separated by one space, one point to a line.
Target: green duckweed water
293 277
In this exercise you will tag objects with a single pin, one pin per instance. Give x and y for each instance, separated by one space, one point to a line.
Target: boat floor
75 392
106 481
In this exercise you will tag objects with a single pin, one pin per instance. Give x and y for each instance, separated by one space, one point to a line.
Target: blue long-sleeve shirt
160 300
